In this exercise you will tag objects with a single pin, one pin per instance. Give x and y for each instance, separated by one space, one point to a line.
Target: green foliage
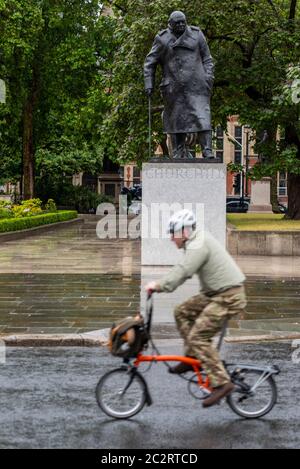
5 204
16 224
57 57
56 166
5 213
253 45
27 208
289 91
20 25
65 158
83 199
32 203
10 166
85 73
234 168
86 201
50 206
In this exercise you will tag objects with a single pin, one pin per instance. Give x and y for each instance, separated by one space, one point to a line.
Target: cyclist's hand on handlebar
151 287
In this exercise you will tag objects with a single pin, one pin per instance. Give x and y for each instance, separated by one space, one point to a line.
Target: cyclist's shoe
218 394
181 368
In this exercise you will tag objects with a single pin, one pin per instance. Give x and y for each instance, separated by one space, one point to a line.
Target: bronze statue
188 76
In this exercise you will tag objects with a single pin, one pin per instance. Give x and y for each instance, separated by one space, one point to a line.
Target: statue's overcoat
188 75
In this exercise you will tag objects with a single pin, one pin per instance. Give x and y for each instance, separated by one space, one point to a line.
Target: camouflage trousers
202 317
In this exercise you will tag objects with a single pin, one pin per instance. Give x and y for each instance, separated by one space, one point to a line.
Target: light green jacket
207 258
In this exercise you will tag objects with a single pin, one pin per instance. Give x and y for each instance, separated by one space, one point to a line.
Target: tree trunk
274 197
294 196
28 149
28 154
293 9
291 138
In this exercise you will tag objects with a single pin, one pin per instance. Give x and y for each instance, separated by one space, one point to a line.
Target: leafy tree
18 37
253 44
75 81
55 58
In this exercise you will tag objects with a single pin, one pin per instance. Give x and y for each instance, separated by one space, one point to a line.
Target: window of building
136 175
282 183
238 135
237 181
90 181
110 190
219 139
110 166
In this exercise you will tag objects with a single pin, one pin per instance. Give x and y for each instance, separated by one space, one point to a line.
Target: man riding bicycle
222 297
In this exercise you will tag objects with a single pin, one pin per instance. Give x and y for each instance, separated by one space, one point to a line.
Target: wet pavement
47 401
51 304
68 281
70 303
73 249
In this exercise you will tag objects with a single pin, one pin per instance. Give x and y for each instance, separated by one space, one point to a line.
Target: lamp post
2 94
247 130
244 173
242 186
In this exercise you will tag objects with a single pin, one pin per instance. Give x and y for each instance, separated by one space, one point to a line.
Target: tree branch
293 8
291 135
270 2
253 93
230 39
248 55
114 4
221 83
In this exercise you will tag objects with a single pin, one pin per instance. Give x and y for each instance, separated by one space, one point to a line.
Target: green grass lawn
262 222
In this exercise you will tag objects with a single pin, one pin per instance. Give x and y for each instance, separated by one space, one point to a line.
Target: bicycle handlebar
149 310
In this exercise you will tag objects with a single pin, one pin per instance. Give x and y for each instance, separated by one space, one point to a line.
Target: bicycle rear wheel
255 394
121 393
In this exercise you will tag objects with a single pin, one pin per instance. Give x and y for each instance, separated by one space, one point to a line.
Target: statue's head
177 22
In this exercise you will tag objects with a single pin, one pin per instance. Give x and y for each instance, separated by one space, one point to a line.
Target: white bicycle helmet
180 220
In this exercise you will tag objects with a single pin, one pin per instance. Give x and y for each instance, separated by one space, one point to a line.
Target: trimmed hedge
16 224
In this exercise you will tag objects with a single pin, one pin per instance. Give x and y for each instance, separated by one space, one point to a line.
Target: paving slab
68 281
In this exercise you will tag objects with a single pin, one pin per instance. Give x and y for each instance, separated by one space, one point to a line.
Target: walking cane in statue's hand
149 129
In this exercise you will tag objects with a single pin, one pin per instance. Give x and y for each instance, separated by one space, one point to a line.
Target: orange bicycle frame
196 364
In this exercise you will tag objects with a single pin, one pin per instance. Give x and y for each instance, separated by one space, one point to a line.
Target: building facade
235 145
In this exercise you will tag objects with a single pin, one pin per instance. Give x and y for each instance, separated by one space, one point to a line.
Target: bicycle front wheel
121 393
255 394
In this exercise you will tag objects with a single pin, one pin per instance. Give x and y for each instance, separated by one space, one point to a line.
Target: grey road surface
47 399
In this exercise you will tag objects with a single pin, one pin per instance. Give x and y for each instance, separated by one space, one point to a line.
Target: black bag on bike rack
128 337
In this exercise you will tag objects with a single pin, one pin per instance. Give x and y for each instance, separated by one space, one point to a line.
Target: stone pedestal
261 196
169 187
